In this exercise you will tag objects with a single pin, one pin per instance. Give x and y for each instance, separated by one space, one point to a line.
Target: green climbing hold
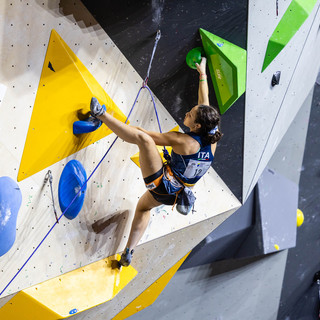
227 65
194 56
296 14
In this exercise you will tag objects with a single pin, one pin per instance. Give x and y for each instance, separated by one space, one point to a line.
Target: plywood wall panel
102 227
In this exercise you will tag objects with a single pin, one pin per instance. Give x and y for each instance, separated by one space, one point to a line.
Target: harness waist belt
170 175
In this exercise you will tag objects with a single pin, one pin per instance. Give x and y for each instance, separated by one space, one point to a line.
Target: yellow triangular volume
64 92
149 296
70 293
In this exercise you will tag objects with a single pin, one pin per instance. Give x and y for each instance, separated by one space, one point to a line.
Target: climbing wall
102 227
288 157
270 110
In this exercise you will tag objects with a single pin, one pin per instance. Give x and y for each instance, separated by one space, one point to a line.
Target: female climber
192 155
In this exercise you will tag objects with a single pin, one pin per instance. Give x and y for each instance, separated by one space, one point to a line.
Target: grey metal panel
248 290
222 249
288 157
225 240
276 216
278 202
240 220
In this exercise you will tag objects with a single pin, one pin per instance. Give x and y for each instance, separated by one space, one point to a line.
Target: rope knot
145 82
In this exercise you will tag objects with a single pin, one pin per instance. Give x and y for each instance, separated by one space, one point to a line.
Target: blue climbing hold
10 202
85 126
73 311
88 125
73 177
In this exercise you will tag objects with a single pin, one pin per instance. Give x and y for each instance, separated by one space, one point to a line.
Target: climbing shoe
96 108
126 258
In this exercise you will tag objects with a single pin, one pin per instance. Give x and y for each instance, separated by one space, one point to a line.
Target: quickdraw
50 178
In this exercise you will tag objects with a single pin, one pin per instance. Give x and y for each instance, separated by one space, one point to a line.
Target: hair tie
214 130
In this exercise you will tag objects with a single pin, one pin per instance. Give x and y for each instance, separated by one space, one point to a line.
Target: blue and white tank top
190 168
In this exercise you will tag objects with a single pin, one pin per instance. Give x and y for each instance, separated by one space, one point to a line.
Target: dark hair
208 117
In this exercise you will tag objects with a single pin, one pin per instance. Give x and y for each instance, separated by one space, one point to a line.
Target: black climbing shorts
162 189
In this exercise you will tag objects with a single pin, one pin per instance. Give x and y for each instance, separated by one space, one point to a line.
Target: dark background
132 25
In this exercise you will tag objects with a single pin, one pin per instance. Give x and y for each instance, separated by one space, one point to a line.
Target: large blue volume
10 202
73 177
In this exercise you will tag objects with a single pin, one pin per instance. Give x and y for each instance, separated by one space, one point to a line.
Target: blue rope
19 270
166 154
158 36
154 105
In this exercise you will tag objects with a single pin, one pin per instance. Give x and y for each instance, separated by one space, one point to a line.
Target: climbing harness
50 178
144 85
185 198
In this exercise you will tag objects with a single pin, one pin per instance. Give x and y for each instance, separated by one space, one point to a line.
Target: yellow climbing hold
300 217
276 247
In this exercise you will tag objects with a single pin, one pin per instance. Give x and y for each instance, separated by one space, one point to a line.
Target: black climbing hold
51 67
316 276
115 264
276 78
